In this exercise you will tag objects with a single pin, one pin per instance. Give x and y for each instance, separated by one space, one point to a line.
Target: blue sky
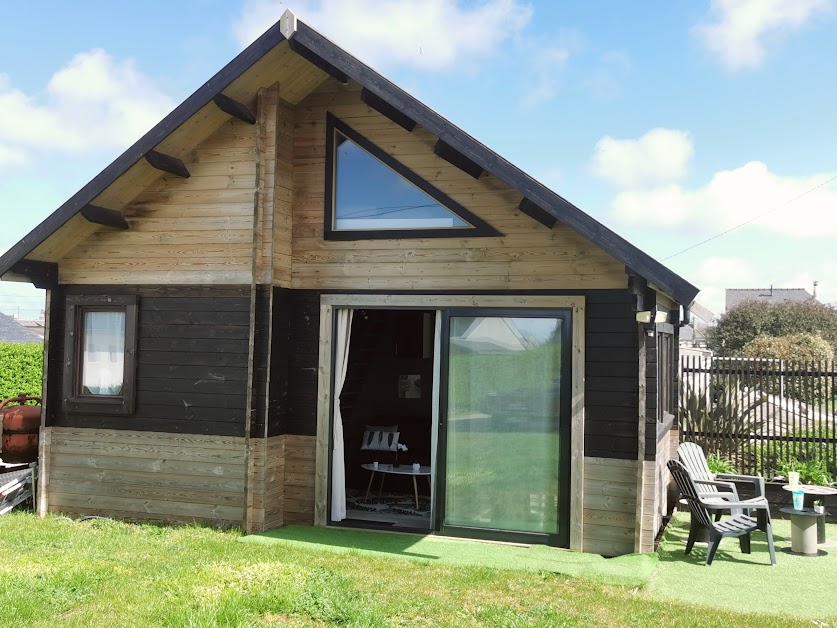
670 122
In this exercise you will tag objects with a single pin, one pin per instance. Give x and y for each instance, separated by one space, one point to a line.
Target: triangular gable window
371 195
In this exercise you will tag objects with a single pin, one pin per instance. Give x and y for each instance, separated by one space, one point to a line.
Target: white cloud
429 35
95 102
11 157
546 63
659 156
732 197
739 28
714 275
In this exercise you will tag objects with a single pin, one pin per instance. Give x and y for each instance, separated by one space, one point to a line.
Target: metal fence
761 415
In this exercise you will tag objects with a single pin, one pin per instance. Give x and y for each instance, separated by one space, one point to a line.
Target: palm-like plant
722 420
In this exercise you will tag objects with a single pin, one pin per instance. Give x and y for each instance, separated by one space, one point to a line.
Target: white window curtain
104 353
338 457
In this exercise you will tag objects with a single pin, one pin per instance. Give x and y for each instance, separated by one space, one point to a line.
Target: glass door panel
503 423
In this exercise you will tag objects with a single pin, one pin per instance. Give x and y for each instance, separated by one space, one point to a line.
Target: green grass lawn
55 571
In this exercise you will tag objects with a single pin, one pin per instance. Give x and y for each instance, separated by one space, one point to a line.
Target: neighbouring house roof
280 53
12 331
736 296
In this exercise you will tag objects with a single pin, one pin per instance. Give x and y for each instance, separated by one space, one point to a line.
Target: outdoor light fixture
651 317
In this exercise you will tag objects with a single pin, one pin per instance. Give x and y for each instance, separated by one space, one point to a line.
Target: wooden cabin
304 297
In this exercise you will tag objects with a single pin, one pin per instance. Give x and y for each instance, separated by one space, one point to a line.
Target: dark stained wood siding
612 369
260 359
192 345
296 317
611 392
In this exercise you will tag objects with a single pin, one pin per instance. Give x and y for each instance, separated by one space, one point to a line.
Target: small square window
100 354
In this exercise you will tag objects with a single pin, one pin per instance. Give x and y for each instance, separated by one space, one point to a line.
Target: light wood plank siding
610 502
283 191
182 231
530 256
300 453
269 483
146 475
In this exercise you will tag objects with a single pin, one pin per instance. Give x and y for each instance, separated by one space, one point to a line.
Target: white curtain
338 458
104 353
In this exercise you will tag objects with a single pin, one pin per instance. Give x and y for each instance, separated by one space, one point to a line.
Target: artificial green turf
632 570
802 585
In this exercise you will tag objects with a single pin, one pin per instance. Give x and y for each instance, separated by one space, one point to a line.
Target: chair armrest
719 495
758 503
757 480
726 485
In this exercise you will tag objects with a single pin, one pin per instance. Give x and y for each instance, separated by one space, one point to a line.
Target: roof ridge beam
234 108
105 217
167 163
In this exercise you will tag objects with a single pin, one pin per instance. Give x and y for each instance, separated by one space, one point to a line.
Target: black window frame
478 229
76 402
666 372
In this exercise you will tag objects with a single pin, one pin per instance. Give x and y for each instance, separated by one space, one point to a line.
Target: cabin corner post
324 396
640 542
577 428
44 442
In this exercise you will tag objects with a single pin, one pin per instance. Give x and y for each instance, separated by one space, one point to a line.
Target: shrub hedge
21 369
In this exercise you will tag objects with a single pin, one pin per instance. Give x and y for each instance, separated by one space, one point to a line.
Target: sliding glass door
505 425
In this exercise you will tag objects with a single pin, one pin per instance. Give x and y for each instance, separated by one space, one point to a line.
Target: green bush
21 369
719 464
801 347
745 322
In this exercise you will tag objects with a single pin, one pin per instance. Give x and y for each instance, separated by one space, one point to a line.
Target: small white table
404 469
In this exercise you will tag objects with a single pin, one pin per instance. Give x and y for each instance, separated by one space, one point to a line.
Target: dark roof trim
666 280
255 51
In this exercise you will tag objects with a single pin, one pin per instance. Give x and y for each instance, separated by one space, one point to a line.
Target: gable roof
540 203
12 331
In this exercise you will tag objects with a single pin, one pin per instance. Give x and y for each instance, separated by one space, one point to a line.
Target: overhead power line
753 219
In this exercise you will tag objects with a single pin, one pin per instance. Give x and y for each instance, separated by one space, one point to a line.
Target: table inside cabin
391 469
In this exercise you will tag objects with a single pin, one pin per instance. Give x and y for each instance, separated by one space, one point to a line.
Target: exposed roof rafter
43 275
454 157
234 108
103 216
167 163
384 108
547 219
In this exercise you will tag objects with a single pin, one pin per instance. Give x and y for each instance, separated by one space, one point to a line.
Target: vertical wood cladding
191 360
